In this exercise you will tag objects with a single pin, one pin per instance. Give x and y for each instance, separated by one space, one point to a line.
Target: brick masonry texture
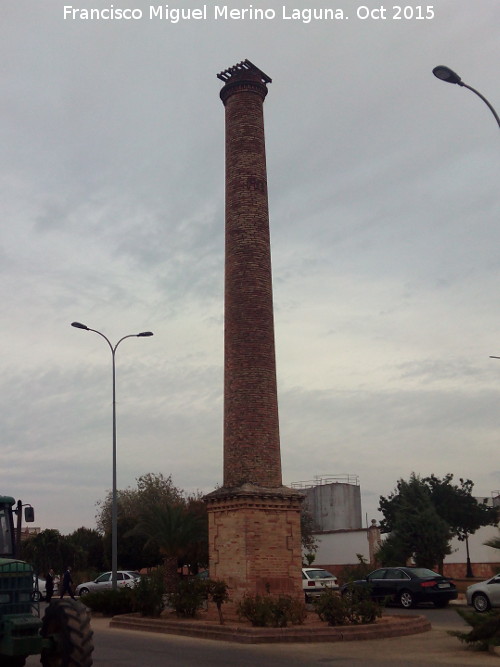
254 522
251 426
256 545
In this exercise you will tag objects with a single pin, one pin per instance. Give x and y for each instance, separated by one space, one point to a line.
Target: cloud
383 204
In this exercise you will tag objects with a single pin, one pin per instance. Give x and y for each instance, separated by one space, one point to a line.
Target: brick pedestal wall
255 541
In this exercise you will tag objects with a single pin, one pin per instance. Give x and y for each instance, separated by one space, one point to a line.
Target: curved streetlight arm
490 106
449 76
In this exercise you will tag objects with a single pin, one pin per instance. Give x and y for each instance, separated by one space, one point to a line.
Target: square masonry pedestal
255 541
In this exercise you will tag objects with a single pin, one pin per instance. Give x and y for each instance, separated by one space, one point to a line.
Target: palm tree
174 530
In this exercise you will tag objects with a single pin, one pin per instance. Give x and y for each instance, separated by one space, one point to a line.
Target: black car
407 585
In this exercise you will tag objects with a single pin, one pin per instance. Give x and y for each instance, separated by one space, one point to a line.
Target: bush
111 602
272 611
355 572
149 594
217 591
188 597
146 597
354 607
485 629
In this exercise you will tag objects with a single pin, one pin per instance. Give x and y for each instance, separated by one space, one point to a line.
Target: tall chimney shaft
251 425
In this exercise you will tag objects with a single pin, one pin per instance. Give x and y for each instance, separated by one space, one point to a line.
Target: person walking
49 585
67 583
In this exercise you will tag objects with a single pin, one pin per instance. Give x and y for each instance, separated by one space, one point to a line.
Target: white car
315 580
39 592
124 579
39 588
485 594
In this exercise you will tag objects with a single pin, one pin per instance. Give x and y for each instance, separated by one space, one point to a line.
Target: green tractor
63 637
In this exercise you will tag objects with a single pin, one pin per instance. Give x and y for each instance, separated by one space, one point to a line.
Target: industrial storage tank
334 501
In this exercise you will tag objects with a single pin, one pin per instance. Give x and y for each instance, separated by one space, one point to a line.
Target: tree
463 513
47 549
88 549
307 529
453 503
417 530
138 544
151 489
173 529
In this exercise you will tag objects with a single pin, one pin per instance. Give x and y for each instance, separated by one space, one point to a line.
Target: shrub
358 571
188 597
149 594
354 607
272 611
111 602
485 629
217 591
146 597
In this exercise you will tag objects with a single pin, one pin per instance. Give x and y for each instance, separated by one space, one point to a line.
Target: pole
114 498
114 506
469 573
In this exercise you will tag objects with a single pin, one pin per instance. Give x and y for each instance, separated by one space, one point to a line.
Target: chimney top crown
241 70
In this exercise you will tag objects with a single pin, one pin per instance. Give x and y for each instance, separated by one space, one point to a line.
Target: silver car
124 579
485 594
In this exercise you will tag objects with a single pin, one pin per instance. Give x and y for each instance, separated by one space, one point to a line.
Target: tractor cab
7 536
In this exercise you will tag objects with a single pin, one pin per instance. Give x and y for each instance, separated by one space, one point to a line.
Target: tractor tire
67 624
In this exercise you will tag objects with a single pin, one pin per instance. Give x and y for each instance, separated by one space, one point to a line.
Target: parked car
485 594
124 579
39 592
407 585
315 580
39 588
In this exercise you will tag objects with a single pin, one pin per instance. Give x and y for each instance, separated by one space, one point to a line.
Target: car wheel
36 596
406 599
480 602
83 591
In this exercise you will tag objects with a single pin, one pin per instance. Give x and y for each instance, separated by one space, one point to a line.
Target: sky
384 214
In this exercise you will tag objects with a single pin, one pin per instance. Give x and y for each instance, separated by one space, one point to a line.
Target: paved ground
126 648
429 649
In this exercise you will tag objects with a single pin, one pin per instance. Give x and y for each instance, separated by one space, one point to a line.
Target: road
122 648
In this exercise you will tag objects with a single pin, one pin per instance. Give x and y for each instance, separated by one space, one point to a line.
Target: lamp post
114 511
446 74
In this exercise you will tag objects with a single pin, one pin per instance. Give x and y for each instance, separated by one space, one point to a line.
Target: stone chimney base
254 540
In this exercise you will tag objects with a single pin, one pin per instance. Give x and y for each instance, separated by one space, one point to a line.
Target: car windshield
423 573
319 574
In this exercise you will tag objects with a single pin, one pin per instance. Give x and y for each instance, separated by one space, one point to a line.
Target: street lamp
114 512
446 74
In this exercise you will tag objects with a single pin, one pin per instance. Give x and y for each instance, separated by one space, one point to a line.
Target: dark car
407 585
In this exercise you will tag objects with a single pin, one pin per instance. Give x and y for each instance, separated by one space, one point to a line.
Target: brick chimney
254 521
251 426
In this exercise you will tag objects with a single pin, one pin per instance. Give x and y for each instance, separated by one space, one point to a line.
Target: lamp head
446 74
79 325
144 334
